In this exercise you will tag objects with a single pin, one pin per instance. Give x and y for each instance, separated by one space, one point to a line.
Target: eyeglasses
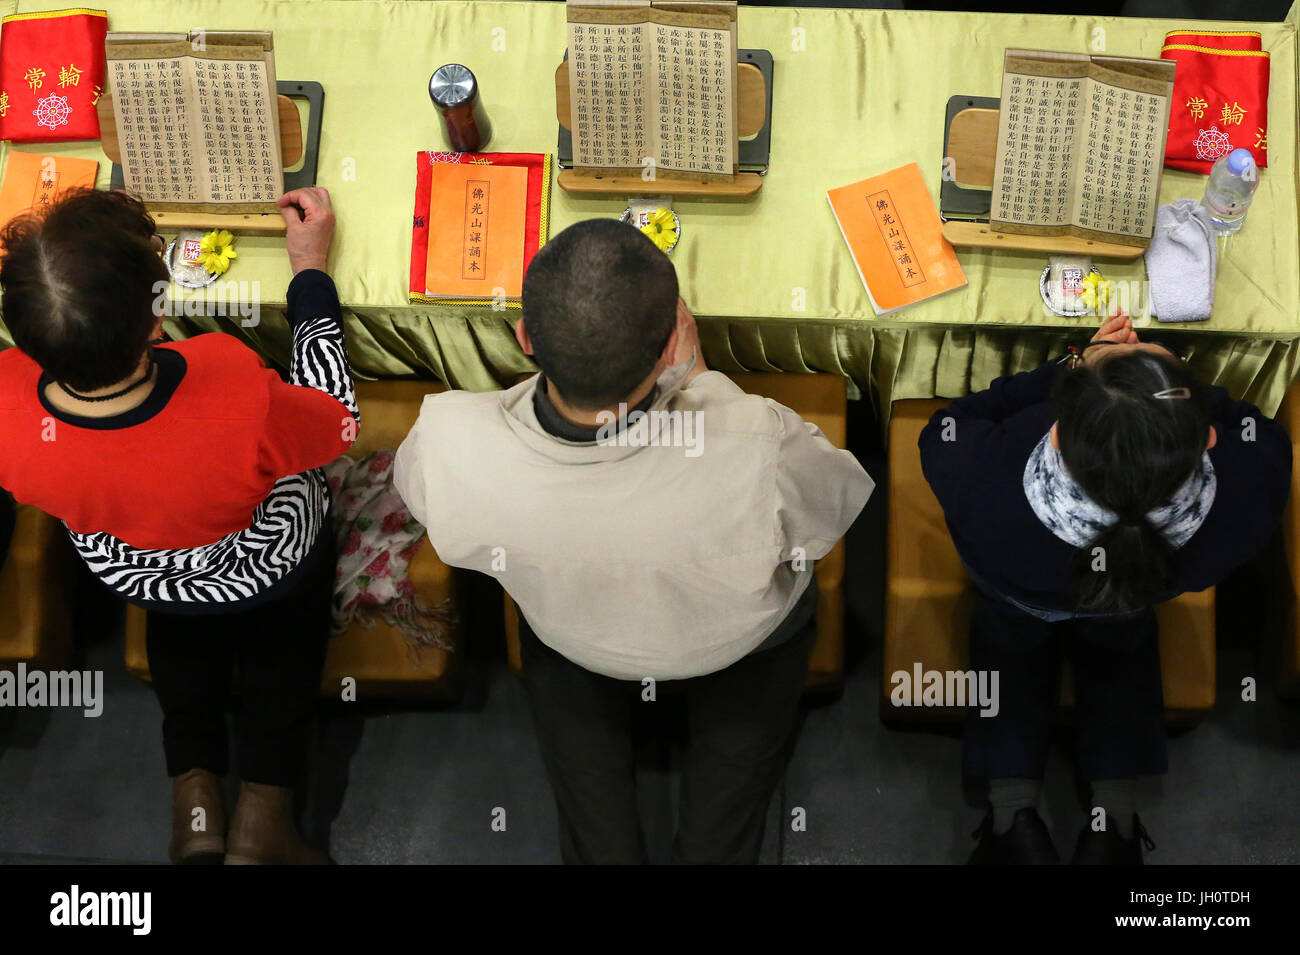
1172 349
1074 355
1074 359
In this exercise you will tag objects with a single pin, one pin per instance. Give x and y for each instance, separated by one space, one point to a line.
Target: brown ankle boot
263 831
198 819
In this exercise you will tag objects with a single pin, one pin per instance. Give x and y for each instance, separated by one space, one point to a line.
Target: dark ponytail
1130 452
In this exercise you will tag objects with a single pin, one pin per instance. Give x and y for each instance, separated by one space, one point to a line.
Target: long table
856 92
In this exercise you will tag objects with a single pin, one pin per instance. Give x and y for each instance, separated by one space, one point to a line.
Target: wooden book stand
751 113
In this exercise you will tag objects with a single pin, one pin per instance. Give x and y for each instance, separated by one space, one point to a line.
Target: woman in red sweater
187 474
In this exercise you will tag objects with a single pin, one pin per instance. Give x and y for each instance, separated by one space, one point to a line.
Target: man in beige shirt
656 526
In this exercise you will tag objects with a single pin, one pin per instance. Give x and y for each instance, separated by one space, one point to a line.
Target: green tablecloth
856 92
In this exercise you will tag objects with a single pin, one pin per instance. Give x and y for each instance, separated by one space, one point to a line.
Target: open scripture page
197 119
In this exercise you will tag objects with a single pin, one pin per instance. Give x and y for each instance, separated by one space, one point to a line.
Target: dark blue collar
556 425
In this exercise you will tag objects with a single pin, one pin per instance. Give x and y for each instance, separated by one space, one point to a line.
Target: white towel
1181 262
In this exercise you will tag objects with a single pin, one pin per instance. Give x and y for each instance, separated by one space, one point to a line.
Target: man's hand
309 227
688 341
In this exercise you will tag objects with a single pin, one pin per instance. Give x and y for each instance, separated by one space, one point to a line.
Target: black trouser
8 517
272 652
1119 700
742 723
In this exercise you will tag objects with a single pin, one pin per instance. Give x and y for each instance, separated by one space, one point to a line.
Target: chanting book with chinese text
34 182
476 245
654 85
896 238
1081 145
197 119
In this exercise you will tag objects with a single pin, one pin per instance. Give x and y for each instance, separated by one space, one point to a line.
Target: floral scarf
1076 519
377 537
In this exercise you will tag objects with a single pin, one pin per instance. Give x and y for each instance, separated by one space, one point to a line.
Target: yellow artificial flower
1096 291
662 229
216 250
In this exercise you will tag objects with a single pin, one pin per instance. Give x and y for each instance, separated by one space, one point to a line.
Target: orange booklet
894 232
33 181
476 235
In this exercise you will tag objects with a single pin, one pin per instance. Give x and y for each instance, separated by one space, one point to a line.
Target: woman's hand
309 227
1118 330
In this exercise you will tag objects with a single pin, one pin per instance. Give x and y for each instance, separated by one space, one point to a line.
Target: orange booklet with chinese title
32 182
476 237
896 238
446 217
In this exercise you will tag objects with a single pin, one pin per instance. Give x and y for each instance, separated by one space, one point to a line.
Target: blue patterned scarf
1076 519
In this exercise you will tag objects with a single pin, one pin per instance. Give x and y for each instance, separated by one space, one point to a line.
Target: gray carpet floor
424 784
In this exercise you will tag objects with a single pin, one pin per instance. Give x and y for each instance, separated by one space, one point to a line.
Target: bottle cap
1239 160
452 85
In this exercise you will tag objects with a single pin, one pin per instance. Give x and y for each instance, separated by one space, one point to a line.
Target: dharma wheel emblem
53 111
1211 144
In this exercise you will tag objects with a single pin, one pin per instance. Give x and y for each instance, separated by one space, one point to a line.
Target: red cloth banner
1220 98
51 75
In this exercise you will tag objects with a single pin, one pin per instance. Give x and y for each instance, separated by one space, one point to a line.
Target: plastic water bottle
1232 183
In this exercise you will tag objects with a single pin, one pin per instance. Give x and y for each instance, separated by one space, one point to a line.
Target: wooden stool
823 401
378 657
36 593
928 595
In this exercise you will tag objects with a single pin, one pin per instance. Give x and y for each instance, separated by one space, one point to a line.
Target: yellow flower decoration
662 229
216 250
1096 291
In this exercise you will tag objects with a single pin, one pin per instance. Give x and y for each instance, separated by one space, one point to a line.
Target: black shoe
1027 842
1108 847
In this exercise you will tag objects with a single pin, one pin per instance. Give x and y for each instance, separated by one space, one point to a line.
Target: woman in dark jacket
1079 496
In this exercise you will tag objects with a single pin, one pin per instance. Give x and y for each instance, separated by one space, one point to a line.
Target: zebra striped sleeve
320 360
319 356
